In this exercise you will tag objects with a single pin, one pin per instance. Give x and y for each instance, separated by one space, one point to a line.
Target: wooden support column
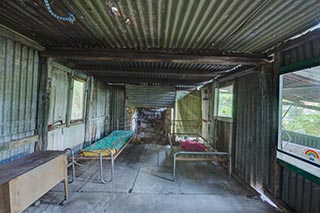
88 114
276 168
43 105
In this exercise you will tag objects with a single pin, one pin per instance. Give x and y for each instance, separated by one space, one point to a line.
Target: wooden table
24 181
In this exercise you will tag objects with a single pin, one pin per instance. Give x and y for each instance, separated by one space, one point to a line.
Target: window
77 108
224 101
299 125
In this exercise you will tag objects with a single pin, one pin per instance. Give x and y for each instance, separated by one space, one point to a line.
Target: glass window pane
225 101
77 100
300 117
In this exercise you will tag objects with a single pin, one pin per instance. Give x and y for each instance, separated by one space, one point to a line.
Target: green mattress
114 141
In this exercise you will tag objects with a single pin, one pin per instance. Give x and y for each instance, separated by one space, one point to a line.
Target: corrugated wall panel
150 96
188 113
223 135
296 191
299 54
117 107
70 137
100 120
254 128
18 95
300 193
59 81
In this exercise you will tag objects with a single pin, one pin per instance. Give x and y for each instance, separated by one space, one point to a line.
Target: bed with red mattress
192 147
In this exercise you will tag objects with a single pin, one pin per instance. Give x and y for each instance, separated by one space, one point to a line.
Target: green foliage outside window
225 101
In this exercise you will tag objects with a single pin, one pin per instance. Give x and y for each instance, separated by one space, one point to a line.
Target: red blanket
193 146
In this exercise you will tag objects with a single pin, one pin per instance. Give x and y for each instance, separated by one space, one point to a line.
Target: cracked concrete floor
143 183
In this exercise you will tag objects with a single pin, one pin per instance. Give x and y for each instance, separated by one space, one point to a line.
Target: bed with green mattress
107 148
113 142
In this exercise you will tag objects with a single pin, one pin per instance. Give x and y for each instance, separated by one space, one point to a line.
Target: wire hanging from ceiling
69 18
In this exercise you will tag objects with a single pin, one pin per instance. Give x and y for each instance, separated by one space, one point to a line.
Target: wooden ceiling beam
105 70
151 56
148 80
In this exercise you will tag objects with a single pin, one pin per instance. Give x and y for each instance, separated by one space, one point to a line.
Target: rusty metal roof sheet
233 25
237 26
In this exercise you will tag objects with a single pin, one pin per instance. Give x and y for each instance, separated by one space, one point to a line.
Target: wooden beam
148 80
103 70
149 56
10 34
17 143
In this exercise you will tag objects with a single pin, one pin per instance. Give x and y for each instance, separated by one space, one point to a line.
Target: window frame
293 161
79 120
217 102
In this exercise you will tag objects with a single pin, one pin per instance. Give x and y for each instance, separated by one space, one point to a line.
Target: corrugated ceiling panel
234 25
150 96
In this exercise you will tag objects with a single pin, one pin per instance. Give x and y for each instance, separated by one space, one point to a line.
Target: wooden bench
25 180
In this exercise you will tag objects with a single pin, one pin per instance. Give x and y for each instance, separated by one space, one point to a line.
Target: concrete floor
143 183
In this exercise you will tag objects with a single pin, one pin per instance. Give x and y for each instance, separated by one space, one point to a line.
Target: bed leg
174 167
230 166
112 166
73 165
101 170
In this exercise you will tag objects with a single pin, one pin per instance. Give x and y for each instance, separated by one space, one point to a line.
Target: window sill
225 119
76 122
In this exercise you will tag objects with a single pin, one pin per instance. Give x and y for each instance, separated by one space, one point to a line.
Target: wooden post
276 168
43 104
174 114
70 94
88 113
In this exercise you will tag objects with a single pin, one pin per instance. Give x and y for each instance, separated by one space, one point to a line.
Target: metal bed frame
198 156
112 157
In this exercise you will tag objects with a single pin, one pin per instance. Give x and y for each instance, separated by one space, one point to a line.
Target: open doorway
151 125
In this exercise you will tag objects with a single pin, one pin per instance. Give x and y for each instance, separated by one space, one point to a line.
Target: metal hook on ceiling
70 17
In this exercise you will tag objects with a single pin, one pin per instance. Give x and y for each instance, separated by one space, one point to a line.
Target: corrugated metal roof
235 25
184 26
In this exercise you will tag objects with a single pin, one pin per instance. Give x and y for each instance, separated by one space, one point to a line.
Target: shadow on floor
143 183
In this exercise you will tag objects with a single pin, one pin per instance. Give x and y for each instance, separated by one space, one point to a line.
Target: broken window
299 119
77 107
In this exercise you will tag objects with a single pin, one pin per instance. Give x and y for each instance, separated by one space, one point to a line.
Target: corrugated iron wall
96 123
299 193
64 136
150 96
296 191
100 117
253 137
18 95
117 107
223 135
188 113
